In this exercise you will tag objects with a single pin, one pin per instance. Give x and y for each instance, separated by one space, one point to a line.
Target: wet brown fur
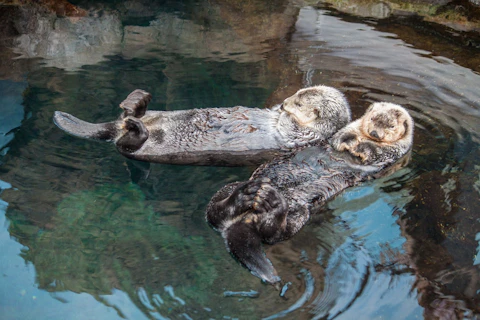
278 199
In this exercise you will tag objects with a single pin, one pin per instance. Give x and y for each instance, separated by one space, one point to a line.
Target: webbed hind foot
245 244
242 198
267 199
134 137
271 209
135 105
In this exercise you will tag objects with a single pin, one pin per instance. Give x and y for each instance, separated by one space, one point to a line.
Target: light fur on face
385 122
383 134
309 106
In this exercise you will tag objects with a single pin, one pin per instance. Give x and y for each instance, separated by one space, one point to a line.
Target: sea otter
220 136
280 196
383 132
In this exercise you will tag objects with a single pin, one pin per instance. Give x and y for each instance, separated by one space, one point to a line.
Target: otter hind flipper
245 244
135 105
134 137
94 131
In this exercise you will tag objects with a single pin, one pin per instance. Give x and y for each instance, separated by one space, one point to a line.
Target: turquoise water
87 234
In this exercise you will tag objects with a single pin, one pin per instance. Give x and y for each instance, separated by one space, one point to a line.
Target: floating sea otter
221 136
380 135
280 196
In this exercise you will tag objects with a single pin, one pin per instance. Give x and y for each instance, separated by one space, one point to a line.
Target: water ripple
309 288
247 294
348 271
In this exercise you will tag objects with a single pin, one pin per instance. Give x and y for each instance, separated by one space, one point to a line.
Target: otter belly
216 136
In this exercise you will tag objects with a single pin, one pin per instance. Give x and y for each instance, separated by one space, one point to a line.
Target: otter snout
374 134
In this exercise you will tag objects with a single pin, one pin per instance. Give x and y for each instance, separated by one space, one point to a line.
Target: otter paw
367 152
134 137
345 141
268 199
242 199
135 105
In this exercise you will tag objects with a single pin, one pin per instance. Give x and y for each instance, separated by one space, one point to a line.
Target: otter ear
245 244
370 107
397 113
406 126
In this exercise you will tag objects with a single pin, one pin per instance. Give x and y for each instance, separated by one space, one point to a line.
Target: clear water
88 234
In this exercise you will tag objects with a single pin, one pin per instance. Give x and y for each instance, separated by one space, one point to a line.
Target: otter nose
374 134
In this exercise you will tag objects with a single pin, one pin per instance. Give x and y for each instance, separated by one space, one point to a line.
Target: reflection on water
86 232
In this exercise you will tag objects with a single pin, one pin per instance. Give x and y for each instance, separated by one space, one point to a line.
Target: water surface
86 233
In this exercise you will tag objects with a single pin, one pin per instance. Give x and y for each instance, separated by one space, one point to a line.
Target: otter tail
245 244
79 128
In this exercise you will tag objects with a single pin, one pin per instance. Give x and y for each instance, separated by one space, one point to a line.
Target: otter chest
238 129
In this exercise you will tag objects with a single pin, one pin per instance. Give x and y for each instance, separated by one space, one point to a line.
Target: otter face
301 106
385 122
309 106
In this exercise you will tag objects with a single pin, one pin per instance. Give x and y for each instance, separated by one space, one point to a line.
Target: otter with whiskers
278 199
383 132
217 136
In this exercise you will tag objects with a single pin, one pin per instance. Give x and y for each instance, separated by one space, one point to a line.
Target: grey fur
228 136
278 199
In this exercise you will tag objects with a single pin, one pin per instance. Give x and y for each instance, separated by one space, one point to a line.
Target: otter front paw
368 152
243 197
346 141
268 199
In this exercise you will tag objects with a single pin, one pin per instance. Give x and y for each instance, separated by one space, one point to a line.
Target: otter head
386 122
309 106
